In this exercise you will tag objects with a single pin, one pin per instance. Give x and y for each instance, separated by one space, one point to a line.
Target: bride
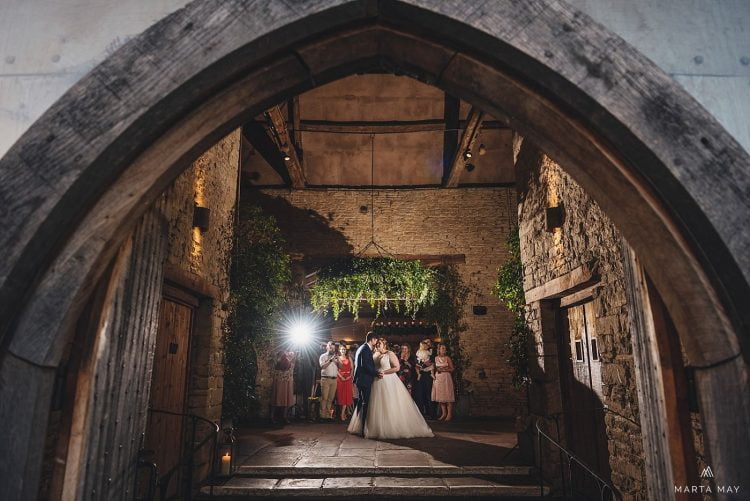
392 412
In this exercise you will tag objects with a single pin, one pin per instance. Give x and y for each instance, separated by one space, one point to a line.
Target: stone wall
198 261
586 236
472 221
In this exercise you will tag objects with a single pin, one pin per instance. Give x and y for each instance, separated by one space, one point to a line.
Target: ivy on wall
509 289
260 275
447 313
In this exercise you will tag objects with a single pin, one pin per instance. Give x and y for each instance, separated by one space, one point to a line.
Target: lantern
225 450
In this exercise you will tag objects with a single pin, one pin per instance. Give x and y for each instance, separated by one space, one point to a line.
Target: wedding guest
406 372
328 375
423 388
282 390
355 390
344 392
442 389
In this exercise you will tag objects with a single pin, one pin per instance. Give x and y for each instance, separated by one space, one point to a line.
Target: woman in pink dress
344 387
282 391
442 388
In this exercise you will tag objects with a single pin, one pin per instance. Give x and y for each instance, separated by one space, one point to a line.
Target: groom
364 374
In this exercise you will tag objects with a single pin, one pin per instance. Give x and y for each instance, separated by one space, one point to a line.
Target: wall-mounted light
554 218
201 217
467 154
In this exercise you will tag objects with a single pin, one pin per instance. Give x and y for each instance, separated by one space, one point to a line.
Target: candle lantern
226 454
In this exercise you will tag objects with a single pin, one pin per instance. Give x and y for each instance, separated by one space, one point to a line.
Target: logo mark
707 472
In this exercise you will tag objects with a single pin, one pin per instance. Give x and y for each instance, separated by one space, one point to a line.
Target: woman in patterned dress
406 372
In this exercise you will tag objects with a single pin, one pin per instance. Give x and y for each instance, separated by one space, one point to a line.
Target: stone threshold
343 471
382 487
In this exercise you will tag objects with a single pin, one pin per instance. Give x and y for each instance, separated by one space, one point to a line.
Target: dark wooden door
165 433
584 414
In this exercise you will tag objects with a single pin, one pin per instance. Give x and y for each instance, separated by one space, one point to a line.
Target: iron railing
571 463
161 481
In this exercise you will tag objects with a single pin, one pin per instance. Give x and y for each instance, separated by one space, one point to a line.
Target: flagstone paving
321 460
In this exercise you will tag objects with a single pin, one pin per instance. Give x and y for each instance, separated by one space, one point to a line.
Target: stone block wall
586 236
470 221
198 261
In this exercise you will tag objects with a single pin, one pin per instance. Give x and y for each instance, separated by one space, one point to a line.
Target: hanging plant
383 283
509 289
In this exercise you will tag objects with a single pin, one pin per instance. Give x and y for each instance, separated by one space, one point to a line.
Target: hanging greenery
383 283
509 288
260 275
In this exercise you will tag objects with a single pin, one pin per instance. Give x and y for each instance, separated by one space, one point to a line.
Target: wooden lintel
579 278
473 125
285 143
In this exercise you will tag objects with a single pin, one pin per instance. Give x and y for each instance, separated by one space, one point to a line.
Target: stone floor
458 444
319 460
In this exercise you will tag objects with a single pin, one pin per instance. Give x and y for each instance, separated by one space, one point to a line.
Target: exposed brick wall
202 257
586 235
474 222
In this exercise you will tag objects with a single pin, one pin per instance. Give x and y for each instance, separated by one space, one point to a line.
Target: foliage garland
382 282
406 286
509 289
260 276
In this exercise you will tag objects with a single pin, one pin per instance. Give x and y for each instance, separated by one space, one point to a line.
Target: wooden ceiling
376 129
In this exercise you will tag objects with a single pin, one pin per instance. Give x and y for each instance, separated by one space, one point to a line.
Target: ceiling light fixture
467 154
287 157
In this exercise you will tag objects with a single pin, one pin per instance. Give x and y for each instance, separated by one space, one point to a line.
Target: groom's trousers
362 404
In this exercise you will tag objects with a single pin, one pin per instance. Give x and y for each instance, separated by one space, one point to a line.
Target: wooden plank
473 125
651 398
285 144
451 111
395 127
577 297
573 281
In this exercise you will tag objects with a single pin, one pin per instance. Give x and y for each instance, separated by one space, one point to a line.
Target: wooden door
165 433
584 414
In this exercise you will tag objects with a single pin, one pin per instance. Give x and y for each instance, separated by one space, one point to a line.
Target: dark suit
364 374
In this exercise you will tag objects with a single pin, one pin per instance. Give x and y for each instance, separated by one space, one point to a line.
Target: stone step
377 471
385 487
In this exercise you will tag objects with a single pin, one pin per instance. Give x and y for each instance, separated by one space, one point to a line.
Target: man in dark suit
364 374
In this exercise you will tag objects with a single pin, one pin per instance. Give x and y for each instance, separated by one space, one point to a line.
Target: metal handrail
603 484
191 453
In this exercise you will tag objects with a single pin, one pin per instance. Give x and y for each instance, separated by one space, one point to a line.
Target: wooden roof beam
473 125
285 143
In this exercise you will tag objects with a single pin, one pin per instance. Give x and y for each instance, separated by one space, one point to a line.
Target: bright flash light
300 332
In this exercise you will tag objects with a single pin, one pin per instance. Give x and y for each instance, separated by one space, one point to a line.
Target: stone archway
655 161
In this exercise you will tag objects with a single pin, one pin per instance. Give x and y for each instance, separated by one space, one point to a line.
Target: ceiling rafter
473 126
285 142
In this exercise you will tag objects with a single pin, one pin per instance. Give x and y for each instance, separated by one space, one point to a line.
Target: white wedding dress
391 411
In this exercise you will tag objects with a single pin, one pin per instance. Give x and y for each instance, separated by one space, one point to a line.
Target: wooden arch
672 180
